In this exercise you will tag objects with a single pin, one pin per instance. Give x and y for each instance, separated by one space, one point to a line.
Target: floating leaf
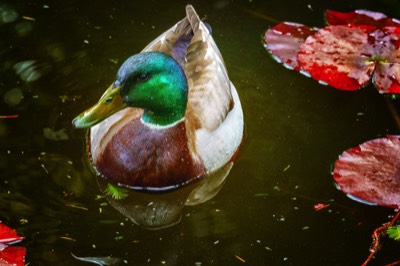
394 232
387 56
360 17
284 40
345 55
12 256
371 171
8 235
339 56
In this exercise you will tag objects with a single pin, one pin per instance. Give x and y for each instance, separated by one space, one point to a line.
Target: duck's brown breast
146 158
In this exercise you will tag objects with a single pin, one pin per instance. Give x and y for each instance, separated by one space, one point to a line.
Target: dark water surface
57 58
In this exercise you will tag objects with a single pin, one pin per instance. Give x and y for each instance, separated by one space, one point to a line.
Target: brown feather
209 86
142 158
193 18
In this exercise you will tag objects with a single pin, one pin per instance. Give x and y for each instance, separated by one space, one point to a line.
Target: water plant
353 49
10 255
370 172
394 232
116 192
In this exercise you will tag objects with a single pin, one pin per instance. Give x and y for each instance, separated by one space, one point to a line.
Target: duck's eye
108 100
142 77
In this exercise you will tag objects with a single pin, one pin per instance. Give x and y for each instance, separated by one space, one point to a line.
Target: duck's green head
153 81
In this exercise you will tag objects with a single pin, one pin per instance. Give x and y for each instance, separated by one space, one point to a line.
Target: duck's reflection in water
160 210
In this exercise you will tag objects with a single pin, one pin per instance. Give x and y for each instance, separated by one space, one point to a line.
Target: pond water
57 57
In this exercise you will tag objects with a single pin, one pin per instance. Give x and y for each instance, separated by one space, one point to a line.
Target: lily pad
360 17
8 235
387 52
12 256
284 40
354 47
371 171
345 57
339 56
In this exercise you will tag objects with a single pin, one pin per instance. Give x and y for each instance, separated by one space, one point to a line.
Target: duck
171 117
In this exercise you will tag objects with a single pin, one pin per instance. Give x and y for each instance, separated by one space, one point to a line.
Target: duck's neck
171 105
154 119
167 104
159 126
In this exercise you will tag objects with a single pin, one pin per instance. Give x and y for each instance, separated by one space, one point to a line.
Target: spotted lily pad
284 40
345 57
354 48
360 17
371 171
8 235
387 63
10 255
339 56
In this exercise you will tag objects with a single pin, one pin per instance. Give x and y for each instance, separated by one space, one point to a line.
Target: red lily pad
284 40
345 57
339 56
357 47
387 77
12 256
8 235
360 17
371 171
387 52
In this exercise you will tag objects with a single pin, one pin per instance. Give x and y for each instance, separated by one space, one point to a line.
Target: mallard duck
171 117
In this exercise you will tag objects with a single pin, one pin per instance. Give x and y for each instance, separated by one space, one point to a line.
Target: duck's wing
210 97
191 44
214 115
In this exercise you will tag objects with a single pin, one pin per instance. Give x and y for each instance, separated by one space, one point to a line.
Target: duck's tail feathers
189 24
192 17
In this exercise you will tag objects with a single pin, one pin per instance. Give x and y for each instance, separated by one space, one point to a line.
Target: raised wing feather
210 96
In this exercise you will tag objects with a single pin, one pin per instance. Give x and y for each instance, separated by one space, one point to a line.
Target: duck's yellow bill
109 103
